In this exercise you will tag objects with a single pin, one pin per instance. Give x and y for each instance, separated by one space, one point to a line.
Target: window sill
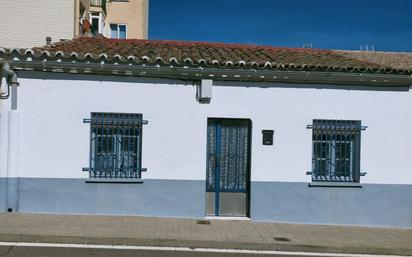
115 180
335 184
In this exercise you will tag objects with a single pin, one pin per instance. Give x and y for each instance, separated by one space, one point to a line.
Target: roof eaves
368 67
217 73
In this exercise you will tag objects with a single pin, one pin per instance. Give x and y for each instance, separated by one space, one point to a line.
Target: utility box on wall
204 91
267 137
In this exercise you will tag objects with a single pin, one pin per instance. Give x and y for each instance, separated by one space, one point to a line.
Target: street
12 251
107 251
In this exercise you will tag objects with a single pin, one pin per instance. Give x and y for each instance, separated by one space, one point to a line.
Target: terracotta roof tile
387 59
251 56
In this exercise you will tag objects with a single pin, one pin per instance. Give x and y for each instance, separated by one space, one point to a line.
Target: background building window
115 145
96 23
118 31
336 150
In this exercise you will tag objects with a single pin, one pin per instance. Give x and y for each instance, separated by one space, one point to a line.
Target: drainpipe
13 144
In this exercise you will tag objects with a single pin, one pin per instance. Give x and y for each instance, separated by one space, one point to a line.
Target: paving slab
233 234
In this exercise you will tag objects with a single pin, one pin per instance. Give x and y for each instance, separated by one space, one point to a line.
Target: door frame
249 160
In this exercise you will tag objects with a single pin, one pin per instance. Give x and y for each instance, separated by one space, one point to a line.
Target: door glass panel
233 153
211 149
95 25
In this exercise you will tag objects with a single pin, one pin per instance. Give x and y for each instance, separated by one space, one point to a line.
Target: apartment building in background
123 19
34 21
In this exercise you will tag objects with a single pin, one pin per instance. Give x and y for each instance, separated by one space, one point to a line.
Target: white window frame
117 25
100 18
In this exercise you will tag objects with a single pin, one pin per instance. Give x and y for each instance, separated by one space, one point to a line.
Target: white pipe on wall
10 141
13 144
3 157
13 160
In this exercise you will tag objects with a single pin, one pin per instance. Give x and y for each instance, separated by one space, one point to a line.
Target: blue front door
227 175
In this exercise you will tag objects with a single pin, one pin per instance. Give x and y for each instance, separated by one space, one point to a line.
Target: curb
276 246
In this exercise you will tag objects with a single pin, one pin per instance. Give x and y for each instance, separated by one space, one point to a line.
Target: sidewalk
121 230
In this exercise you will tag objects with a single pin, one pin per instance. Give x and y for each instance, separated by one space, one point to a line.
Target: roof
223 55
194 61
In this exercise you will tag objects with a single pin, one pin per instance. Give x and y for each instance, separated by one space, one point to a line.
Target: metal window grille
115 145
336 150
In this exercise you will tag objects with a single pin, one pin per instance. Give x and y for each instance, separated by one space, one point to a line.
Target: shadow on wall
132 79
94 77
311 86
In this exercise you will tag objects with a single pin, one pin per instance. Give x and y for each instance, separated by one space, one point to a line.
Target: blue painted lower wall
169 198
371 205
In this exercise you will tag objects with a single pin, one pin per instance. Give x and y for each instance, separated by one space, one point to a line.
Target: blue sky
331 24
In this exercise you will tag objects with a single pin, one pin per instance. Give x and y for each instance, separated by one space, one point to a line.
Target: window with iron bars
115 145
336 150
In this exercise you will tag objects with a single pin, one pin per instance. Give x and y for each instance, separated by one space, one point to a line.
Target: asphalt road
12 251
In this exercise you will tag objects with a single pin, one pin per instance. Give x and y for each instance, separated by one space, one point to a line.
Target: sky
330 24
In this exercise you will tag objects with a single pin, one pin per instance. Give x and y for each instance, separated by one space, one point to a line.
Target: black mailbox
267 137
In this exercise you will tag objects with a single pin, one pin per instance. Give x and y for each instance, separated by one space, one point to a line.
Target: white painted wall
27 23
55 142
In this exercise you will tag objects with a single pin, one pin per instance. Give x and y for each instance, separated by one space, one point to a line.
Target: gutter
218 74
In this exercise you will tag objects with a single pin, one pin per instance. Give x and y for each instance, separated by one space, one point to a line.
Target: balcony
98 6
97 3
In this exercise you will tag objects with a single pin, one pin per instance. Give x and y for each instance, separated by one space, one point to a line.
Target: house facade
183 129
